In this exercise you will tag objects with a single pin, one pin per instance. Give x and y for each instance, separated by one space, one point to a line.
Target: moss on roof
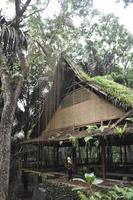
116 92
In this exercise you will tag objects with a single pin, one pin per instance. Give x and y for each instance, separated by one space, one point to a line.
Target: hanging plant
120 130
91 128
74 141
102 128
87 139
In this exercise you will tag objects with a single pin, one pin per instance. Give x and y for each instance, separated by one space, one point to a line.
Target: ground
60 188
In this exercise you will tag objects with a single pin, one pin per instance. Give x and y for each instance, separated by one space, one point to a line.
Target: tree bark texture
11 89
10 101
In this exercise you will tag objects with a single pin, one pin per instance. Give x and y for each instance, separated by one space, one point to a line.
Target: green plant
102 128
130 119
91 128
123 193
74 141
120 130
91 180
116 92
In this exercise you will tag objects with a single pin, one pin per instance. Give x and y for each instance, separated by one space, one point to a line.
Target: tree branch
19 12
39 10
24 7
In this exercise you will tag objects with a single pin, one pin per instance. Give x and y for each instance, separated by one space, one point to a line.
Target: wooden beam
122 118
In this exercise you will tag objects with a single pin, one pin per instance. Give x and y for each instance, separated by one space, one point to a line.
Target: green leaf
90 178
78 189
88 138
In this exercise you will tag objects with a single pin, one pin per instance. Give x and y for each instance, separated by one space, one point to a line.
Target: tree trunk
11 91
5 143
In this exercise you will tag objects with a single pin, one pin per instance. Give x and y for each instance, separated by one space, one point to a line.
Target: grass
116 92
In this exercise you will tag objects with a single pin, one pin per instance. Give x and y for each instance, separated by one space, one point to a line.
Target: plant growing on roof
120 130
88 140
91 128
116 92
130 119
102 128
74 141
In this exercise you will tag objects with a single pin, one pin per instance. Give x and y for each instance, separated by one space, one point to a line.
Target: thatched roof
117 93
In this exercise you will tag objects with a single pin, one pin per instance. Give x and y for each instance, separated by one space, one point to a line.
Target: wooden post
38 156
109 154
54 156
121 154
57 158
125 153
103 160
87 156
74 158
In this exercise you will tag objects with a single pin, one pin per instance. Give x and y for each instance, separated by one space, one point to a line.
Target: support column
54 157
121 154
125 153
103 152
38 156
57 158
74 158
87 156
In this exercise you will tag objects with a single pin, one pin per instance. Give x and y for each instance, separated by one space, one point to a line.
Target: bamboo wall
82 108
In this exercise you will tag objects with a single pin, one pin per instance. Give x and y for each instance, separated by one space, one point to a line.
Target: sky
125 14
106 6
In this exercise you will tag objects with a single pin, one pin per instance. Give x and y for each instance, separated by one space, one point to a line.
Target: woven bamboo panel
91 110
75 97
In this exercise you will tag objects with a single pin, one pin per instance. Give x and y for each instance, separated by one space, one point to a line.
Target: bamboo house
89 119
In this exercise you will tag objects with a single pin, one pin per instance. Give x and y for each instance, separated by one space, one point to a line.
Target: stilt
103 161
125 153
74 158
87 156
57 156
121 154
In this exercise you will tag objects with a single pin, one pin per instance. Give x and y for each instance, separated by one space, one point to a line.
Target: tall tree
11 57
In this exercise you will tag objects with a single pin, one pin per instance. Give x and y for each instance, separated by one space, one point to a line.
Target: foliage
107 44
123 76
123 193
91 128
130 119
102 128
87 139
120 130
74 141
90 180
117 93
